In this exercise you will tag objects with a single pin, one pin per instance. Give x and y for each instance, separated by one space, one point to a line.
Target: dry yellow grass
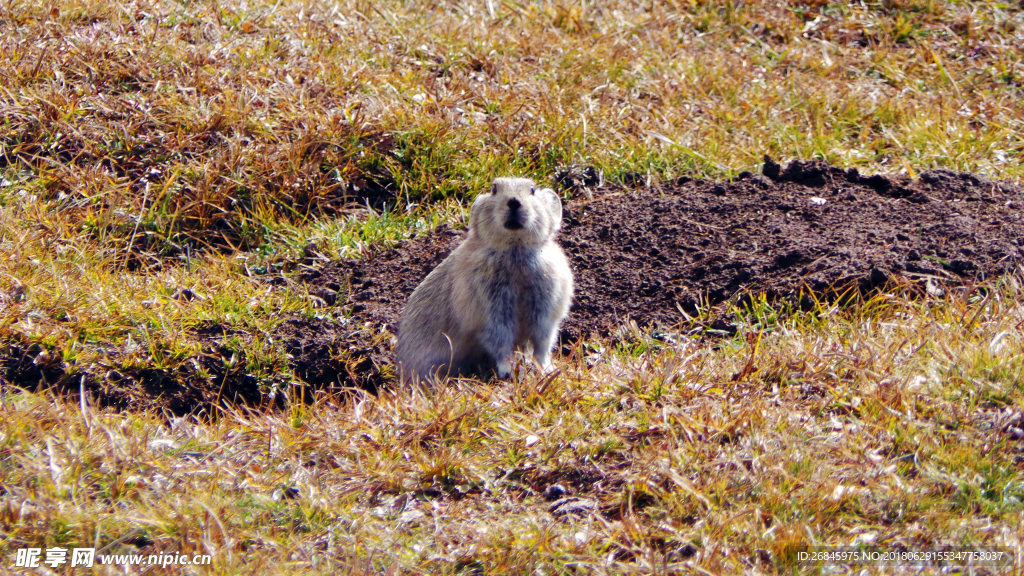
897 423
162 125
154 147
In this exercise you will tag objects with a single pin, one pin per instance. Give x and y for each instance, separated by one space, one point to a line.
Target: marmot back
506 287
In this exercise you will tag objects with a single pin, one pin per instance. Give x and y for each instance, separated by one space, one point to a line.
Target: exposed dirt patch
642 254
379 287
327 355
117 378
638 255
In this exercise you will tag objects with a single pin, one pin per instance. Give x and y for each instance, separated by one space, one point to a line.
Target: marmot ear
554 205
476 209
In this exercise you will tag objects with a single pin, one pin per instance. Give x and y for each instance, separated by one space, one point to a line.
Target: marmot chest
521 270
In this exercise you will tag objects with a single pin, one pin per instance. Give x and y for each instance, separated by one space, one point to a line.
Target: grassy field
155 154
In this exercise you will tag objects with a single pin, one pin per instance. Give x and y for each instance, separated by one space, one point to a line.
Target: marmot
507 286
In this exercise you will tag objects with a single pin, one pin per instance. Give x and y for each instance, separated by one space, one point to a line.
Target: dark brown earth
811 227
643 254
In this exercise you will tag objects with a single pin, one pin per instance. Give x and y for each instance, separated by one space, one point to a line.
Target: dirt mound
637 254
813 227
642 254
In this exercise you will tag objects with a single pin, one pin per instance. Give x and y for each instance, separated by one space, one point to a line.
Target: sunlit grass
163 161
822 427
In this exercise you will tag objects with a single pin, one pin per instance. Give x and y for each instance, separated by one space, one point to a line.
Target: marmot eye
533 190
494 189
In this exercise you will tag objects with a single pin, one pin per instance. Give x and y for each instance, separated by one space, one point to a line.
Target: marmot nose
514 204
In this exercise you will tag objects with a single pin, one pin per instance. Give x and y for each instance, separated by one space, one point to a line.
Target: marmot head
516 213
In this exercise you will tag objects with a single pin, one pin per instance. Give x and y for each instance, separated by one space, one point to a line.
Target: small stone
554 492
